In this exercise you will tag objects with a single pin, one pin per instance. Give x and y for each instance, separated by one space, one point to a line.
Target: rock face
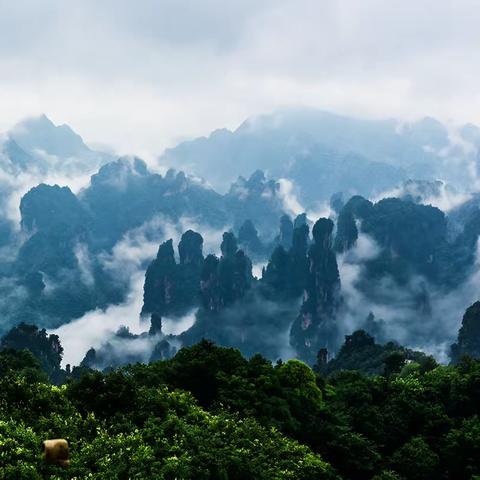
347 232
300 220
225 280
286 232
57 254
415 233
255 199
46 207
315 327
171 288
190 249
412 239
248 239
276 273
68 236
159 295
285 275
298 258
356 209
124 195
468 342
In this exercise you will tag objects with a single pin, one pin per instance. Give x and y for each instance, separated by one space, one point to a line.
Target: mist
99 326
126 265
178 325
432 331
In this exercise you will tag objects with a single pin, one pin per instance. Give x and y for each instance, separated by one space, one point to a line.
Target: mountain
324 153
32 152
39 143
40 133
396 267
66 259
366 273
468 340
390 268
13 158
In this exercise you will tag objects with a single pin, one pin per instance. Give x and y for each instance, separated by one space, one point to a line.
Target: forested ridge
210 413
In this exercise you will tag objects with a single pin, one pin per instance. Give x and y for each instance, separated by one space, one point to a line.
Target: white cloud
98 326
257 269
289 199
142 77
14 185
442 195
84 264
127 264
176 326
434 332
292 206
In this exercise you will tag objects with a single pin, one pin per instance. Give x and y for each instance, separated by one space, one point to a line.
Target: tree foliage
210 413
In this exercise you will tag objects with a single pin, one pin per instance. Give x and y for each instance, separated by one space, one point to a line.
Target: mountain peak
41 134
44 119
34 122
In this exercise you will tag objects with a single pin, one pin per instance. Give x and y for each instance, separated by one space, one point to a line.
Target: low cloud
178 325
289 199
257 269
99 326
235 61
288 194
84 264
440 195
432 330
126 264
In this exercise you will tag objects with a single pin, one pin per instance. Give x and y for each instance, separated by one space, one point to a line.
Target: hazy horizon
140 79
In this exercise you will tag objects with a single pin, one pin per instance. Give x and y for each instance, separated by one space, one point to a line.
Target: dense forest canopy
210 413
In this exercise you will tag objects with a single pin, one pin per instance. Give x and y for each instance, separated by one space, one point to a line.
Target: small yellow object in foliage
55 452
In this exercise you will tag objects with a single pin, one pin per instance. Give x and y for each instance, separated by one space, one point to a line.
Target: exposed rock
315 327
468 342
171 288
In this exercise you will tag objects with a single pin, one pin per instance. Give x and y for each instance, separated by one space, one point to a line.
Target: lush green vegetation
209 413
120 426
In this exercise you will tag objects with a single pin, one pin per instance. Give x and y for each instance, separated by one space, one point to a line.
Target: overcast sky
143 74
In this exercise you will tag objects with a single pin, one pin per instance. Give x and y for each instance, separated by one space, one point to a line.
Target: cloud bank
141 77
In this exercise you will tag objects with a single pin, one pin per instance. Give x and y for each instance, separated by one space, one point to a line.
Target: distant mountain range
321 153
68 247
36 143
324 153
